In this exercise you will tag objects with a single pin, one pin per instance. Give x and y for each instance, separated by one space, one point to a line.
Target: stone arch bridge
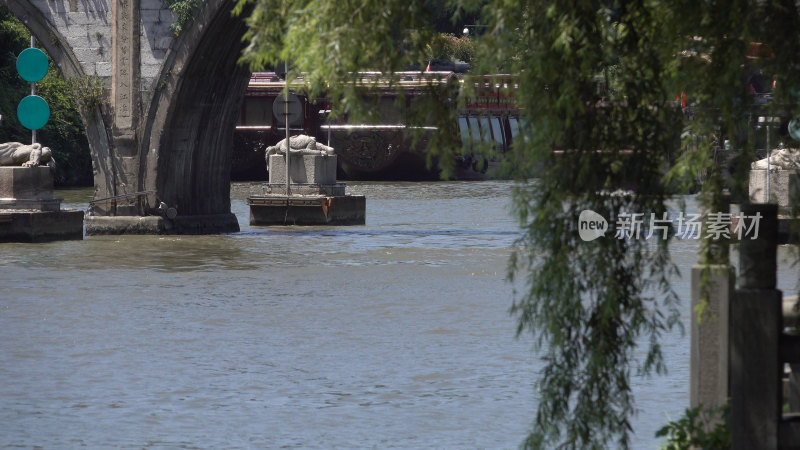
168 111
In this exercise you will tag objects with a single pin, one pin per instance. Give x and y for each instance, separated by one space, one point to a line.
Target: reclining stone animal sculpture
780 158
299 145
19 154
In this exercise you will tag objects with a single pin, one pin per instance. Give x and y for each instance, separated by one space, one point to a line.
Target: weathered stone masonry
170 102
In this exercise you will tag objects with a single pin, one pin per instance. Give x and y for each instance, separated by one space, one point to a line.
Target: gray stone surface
307 210
30 205
40 226
794 388
26 183
780 158
96 225
102 69
783 186
337 189
196 224
172 117
709 336
151 4
755 369
756 321
303 169
758 257
25 155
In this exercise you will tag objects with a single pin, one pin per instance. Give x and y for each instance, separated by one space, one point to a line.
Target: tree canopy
600 90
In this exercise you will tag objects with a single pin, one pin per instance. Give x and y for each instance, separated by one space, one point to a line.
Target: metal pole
33 92
286 117
769 154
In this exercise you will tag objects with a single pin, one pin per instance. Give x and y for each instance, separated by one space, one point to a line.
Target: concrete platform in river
307 210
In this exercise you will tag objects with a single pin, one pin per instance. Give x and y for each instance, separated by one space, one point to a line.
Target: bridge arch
186 148
170 106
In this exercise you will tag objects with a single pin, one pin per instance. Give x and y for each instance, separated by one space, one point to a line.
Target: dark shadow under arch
193 112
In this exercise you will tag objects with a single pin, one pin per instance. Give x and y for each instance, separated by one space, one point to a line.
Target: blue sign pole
33 92
33 111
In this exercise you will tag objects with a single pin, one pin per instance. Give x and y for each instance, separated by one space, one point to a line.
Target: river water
392 334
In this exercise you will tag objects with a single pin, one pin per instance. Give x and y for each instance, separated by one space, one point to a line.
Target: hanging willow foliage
590 305
597 89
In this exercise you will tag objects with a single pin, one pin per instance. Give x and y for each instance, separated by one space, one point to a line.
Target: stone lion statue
299 145
19 154
780 158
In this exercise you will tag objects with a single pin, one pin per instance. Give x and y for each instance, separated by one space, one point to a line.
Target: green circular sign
32 64
33 112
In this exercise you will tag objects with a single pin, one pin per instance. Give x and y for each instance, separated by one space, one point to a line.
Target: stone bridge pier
162 130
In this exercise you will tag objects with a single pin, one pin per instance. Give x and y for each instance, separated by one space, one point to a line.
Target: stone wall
87 28
155 39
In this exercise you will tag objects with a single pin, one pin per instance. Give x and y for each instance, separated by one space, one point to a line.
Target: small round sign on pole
33 112
295 108
32 64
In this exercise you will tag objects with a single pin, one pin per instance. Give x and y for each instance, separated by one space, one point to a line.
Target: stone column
710 335
756 321
125 100
712 286
125 64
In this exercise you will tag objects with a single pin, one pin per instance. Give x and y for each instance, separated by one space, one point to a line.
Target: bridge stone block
151 4
167 16
150 71
102 69
89 18
163 43
152 56
150 16
92 55
79 37
50 7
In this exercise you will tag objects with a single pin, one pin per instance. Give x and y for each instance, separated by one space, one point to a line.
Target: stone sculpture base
307 210
28 211
29 183
303 169
315 198
783 185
